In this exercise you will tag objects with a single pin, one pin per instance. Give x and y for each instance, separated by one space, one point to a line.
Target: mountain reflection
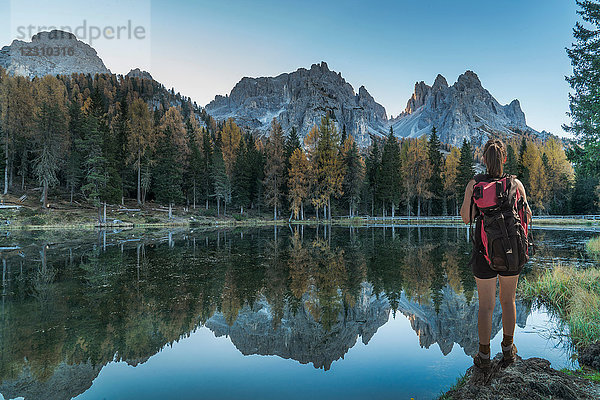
71 305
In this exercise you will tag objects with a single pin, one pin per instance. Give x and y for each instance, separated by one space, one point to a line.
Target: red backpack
503 235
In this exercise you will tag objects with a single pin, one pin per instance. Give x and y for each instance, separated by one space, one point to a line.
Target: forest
112 139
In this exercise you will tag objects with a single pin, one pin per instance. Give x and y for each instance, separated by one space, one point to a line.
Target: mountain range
299 99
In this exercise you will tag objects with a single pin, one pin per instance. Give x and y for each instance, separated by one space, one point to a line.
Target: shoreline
546 223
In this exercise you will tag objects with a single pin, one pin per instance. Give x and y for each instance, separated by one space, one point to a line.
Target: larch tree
231 135
298 182
538 185
274 167
328 165
51 134
142 138
417 172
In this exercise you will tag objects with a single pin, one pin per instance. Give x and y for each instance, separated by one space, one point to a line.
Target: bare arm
464 210
521 190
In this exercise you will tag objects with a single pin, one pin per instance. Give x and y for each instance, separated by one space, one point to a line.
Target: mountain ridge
299 99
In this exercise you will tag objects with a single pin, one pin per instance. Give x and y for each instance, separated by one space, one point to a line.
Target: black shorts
481 268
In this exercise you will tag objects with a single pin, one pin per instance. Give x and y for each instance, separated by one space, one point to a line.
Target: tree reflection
119 298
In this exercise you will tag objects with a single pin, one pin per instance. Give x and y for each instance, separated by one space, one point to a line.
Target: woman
494 157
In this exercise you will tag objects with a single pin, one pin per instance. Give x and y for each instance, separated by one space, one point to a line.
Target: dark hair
494 154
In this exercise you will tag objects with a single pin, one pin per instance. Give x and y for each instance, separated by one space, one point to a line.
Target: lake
275 312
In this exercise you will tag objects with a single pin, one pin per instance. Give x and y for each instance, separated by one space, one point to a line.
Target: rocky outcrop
299 99
456 321
530 379
299 336
51 53
463 110
137 73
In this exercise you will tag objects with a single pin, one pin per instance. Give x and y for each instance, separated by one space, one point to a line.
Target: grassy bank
574 295
593 246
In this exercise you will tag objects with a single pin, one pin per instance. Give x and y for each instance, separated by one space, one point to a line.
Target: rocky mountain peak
439 83
137 73
469 80
464 110
299 99
51 53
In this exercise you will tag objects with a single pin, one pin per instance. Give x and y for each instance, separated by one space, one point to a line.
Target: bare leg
486 289
508 289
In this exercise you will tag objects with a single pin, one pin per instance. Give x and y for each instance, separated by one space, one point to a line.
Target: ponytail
494 154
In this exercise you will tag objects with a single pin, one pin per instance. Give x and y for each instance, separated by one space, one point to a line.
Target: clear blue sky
203 48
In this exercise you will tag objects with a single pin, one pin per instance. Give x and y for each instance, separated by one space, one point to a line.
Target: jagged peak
440 82
469 79
323 67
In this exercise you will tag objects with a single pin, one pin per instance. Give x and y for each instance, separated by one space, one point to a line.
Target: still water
269 313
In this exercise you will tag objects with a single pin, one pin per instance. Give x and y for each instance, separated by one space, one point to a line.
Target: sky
203 48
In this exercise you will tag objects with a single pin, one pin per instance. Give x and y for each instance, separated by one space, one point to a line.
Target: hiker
496 204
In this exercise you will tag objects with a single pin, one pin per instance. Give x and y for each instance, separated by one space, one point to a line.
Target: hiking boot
481 362
509 354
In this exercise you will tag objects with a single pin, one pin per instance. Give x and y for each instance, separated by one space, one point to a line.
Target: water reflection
73 302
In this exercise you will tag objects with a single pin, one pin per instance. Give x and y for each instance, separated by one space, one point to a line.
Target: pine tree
94 165
451 188
585 81
373 167
465 167
242 177
436 186
221 182
354 174
511 167
390 180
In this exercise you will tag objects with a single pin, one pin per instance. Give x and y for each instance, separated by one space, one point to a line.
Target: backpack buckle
477 192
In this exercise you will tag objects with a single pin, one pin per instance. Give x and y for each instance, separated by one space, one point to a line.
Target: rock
463 110
137 73
51 53
299 99
590 356
523 380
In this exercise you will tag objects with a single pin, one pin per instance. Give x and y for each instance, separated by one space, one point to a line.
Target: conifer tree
142 138
451 188
274 167
465 168
436 186
585 81
51 135
354 174
390 181
373 167
511 167
298 182
328 165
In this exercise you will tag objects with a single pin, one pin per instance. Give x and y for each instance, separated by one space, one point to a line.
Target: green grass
593 376
593 246
574 294
460 382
